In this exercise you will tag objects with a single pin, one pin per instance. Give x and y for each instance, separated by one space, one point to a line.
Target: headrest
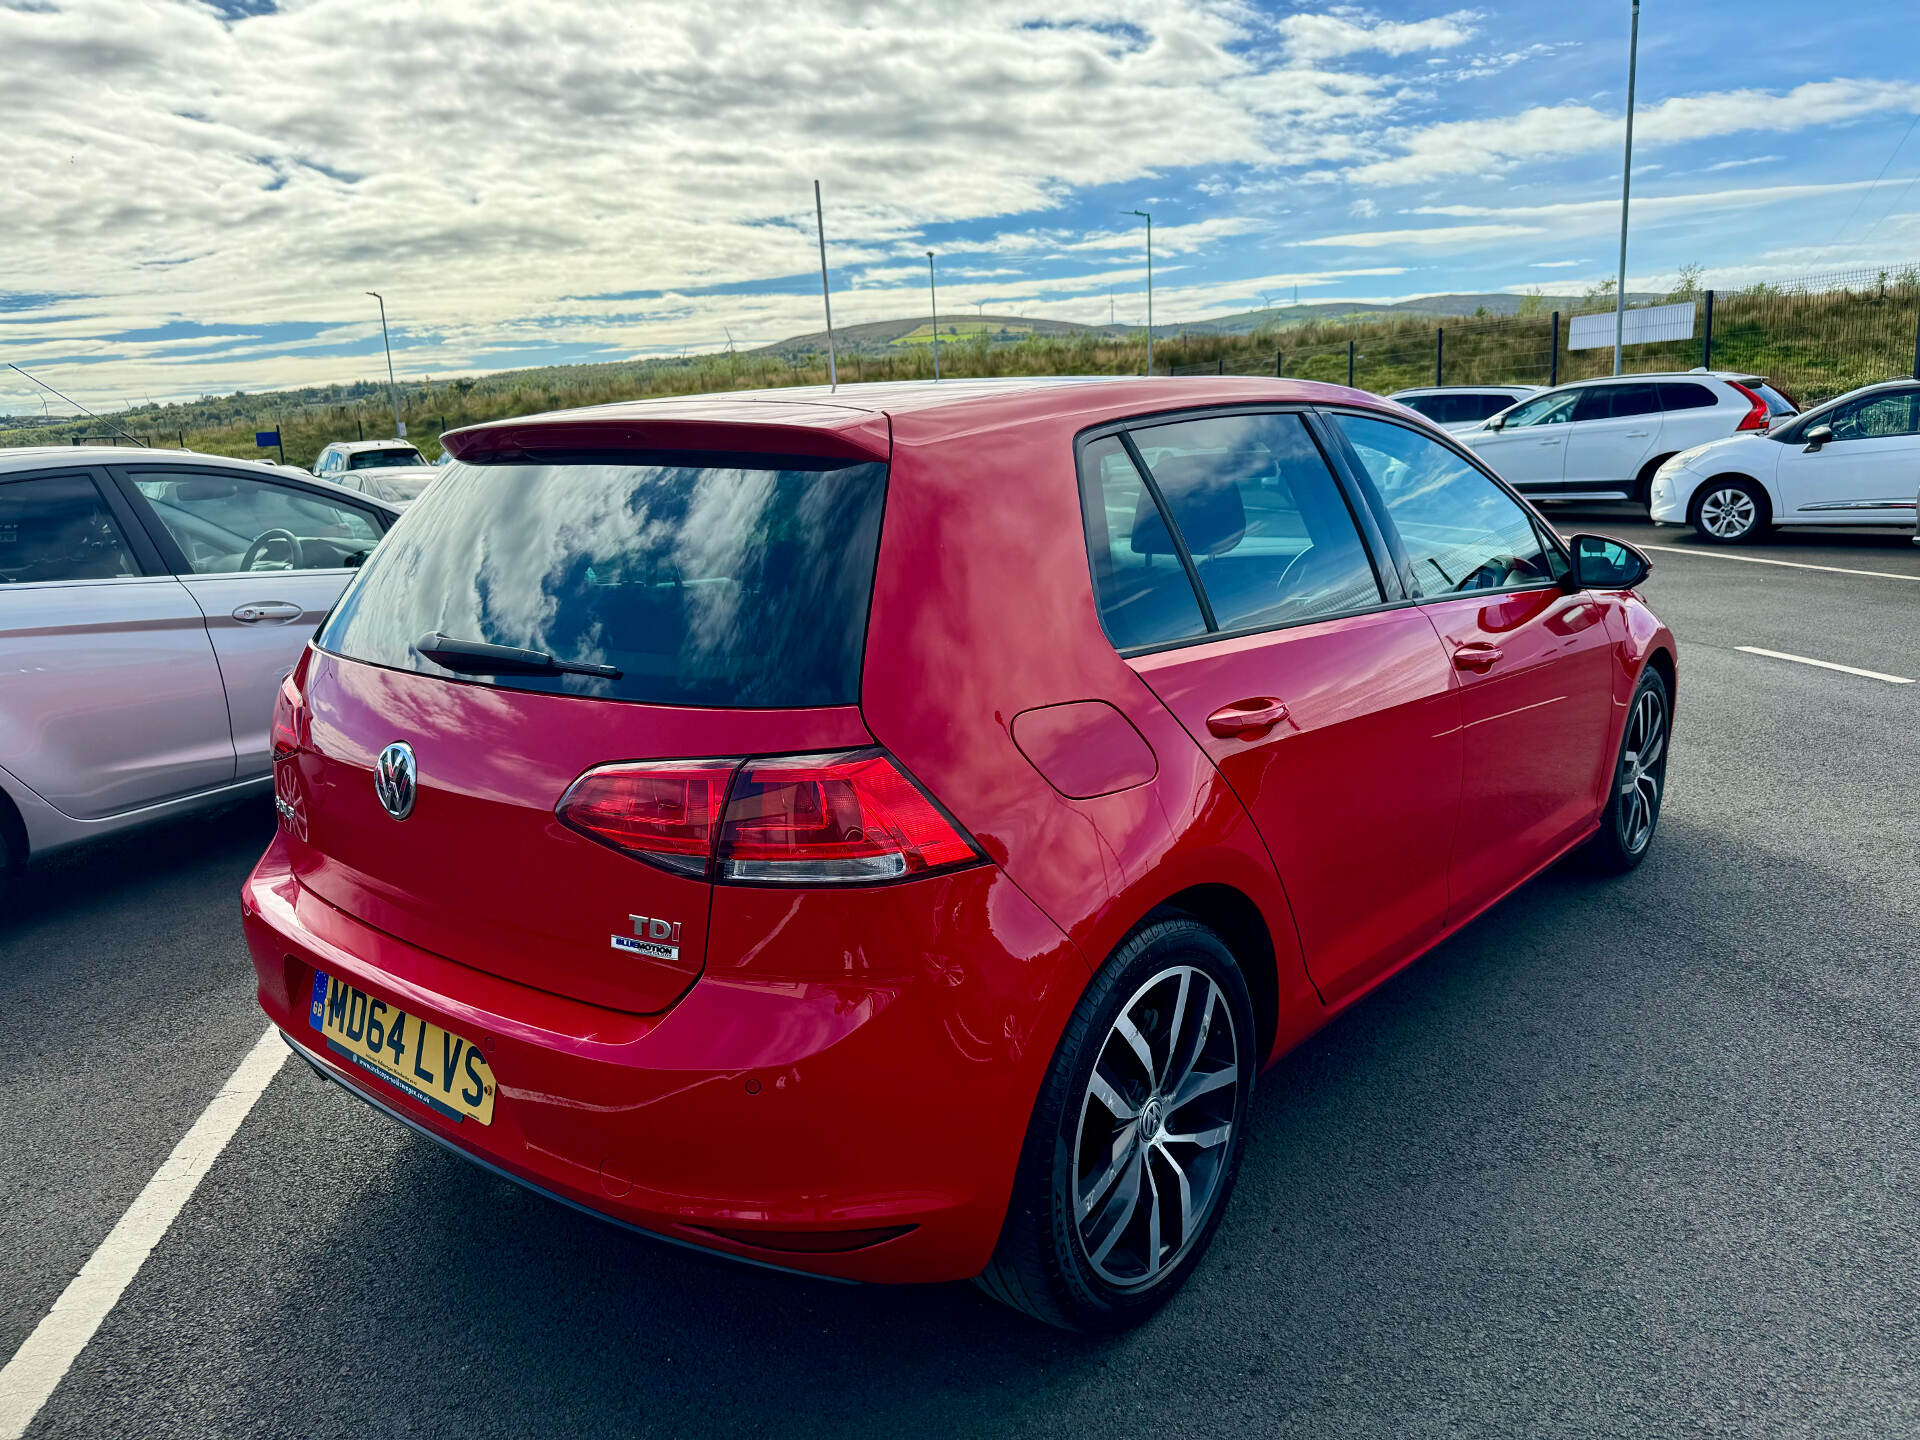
1205 500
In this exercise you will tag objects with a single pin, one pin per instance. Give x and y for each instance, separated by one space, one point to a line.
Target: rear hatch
594 611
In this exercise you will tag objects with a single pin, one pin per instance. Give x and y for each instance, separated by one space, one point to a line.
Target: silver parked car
151 602
389 470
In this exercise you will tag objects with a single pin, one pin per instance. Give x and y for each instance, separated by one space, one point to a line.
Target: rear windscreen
716 584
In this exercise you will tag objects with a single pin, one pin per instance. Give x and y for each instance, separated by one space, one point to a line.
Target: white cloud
1313 38
1478 147
1363 209
1457 237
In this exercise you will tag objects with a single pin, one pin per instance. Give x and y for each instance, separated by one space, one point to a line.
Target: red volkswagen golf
884 833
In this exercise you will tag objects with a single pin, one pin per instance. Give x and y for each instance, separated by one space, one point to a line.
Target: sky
199 194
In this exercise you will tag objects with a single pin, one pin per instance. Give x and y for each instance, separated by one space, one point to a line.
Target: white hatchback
1852 461
1604 439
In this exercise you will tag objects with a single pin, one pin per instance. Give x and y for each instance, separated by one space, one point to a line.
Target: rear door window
1462 532
1271 537
58 527
1616 402
709 581
1686 396
1144 595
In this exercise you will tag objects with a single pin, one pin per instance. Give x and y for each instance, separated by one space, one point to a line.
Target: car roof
1492 387
1744 377
44 457
855 420
354 447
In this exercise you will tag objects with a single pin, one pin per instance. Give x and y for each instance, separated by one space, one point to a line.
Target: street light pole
826 301
1626 190
393 393
933 303
1149 219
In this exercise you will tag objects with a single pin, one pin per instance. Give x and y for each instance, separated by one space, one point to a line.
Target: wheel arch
1766 491
1233 915
13 830
1643 482
1661 661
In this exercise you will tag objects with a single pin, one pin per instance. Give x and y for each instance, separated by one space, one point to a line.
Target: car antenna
75 403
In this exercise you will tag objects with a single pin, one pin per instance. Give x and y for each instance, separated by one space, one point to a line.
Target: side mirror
1600 563
1819 435
1497 422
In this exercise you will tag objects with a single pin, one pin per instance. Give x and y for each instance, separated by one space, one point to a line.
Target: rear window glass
1777 403
718 584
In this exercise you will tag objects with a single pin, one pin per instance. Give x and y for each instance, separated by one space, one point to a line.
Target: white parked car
1604 439
1851 461
389 470
1460 407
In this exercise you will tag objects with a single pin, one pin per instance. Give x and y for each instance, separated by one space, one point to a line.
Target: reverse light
1756 417
664 813
849 817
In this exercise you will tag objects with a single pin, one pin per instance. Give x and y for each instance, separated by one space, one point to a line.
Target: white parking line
39 1365
1824 664
1789 564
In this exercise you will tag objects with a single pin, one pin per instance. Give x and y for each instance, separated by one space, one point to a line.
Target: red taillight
847 817
844 818
292 722
1756 417
665 813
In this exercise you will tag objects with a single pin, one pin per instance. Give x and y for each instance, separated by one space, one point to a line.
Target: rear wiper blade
477 657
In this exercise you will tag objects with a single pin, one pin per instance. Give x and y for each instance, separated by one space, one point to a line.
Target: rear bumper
869 1068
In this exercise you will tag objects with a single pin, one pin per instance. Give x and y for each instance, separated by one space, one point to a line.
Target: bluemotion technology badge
656 939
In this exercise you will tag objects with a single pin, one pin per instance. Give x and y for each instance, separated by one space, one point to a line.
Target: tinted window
1143 592
1545 410
1686 397
1434 407
720 584
379 459
58 528
1462 532
1616 402
1875 417
1271 538
1777 403
227 522
1479 407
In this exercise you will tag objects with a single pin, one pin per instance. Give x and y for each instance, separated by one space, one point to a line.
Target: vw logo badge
393 776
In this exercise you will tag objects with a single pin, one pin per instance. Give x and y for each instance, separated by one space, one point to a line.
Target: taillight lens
1756 417
850 817
292 723
665 813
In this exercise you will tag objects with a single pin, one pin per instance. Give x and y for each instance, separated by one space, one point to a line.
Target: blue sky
201 193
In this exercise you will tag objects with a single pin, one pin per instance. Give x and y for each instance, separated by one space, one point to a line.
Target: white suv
1604 439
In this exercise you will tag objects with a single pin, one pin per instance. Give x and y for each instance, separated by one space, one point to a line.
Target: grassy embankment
1812 345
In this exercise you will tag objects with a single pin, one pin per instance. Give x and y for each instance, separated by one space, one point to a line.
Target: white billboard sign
1643 326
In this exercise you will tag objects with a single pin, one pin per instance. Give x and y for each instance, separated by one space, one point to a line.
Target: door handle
1638 434
1247 719
1554 441
1477 656
277 611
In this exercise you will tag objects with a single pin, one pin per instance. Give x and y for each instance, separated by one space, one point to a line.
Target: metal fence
1814 336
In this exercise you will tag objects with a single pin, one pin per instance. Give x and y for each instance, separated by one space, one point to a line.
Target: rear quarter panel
983 609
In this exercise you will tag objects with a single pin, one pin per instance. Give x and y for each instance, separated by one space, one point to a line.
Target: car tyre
1730 511
1639 780
1136 1138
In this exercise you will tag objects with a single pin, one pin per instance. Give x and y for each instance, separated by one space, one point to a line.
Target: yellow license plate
436 1067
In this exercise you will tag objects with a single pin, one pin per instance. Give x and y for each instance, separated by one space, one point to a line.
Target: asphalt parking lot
1622 1158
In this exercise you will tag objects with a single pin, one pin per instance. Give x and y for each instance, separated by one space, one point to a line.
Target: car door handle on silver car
276 612
1638 434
